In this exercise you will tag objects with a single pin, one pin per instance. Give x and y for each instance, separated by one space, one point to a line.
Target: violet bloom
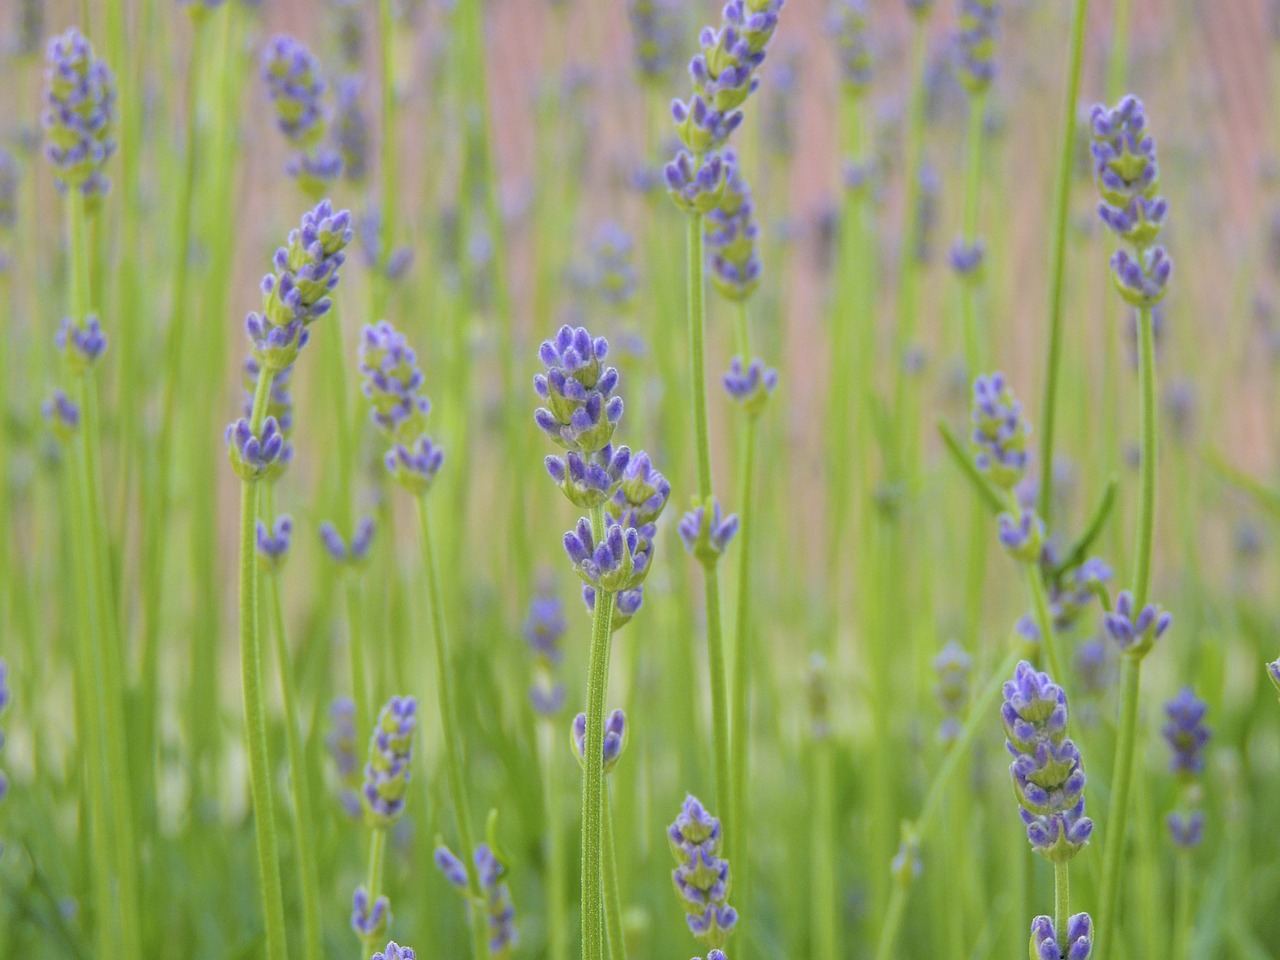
544 628
392 381
847 26
294 85
1186 733
951 691
1022 536
615 738
1047 776
342 747
394 952
976 43
62 415
702 877
369 921
386 775
1186 830
495 894
577 388
252 455
614 563
357 551
79 115
273 543
731 234
750 385
1135 634
695 185
1079 942
706 534
626 604
999 431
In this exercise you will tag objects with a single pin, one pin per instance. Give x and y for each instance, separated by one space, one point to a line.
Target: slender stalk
254 701
379 282
355 641
969 284
740 720
377 853
450 731
1182 905
1147 497
593 796
612 891
1058 254
1044 621
299 778
1118 811
1061 899
697 309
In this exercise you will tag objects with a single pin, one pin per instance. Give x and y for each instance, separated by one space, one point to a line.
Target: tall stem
1182 907
557 948
386 77
1058 254
1044 620
1061 899
742 662
697 308
299 777
254 702
1147 504
355 640
373 883
449 726
825 917
593 799
973 340
1118 811
612 892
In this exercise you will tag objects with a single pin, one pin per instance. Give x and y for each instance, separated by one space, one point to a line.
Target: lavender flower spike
702 876
615 738
1135 635
706 534
393 381
494 893
976 43
80 97
999 431
369 921
1044 940
847 24
251 456
357 551
951 691
273 543
342 747
83 345
386 775
590 480
1186 733
615 563
62 415
577 386
1273 671
292 77
1047 776
544 628
414 466
394 952
696 186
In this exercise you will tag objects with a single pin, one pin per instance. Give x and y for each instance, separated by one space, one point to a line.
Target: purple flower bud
966 258
415 466
1186 733
976 43
273 542
1135 634
701 878
369 922
1044 940
82 345
80 96
999 431
706 534
62 415
337 548
393 381
386 775
615 738
580 412
750 386
252 455
696 189
1022 536
1186 831
454 870
394 952
494 893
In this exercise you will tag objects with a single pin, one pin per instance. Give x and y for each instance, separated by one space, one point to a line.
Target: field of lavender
836 530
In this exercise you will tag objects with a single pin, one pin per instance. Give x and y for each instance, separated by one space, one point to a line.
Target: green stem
379 282
612 892
1147 497
1061 899
825 916
355 640
254 701
377 853
719 703
1118 811
450 731
974 352
299 778
1182 907
593 798
1058 254
697 308
742 663
1044 621
1118 64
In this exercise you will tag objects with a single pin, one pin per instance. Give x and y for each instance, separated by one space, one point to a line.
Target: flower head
351 130
394 952
1023 535
414 466
615 738
581 412
251 454
80 97
626 604
1044 940
354 553
702 876
976 43
589 480
1186 830
999 431
369 920
342 747
847 25
544 628
1186 733
1047 776
731 232
952 667
393 381
386 775
296 89
695 186
1135 634
62 415
614 563
706 534
491 873
273 543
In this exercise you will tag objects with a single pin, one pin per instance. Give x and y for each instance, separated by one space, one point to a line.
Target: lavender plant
296 89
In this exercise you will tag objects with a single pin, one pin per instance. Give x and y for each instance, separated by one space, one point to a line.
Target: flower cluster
1128 178
1000 431
296 293
342 747
279 406
1187 734
292 76
615 738
491 873
1046 771
614 562
731 233
354 553
612 276
82 344
386 775
393 381
62 415
702 877
273 543
351 130
724 75
255 456
976 43
580 413
706 533
544 628
653 27
751 385
951 691
80 97
395 952
847 23
637 502
1134 635
1079 940
369 920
